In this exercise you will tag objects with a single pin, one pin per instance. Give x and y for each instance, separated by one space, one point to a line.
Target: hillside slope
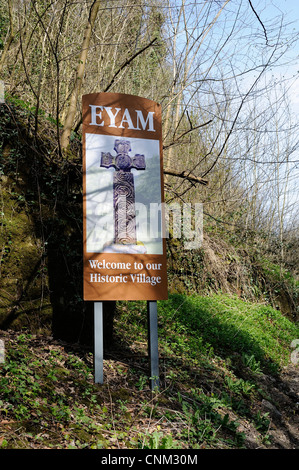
215 393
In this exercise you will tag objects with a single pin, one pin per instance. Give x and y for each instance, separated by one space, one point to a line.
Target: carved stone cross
123 190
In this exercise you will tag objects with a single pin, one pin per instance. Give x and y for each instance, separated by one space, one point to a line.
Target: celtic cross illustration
123 190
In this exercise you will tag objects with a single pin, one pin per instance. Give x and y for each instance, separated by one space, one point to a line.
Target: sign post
124 252
98 343
152 315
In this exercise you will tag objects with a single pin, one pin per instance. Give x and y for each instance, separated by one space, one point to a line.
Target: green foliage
30 110
217 337
31 391
228 325
157 440
252 363
212 355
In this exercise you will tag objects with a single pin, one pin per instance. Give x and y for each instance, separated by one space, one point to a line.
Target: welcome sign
124 252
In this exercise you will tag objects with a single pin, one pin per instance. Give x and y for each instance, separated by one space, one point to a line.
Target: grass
213 350
228 325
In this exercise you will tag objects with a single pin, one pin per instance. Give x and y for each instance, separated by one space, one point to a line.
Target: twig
127 62
186 175
260 21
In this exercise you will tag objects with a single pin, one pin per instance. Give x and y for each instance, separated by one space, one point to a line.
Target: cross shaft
123 190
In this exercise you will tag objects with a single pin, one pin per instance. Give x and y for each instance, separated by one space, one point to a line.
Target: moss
23 284
81 435
121 394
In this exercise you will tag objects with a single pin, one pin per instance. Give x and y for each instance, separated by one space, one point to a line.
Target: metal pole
152 315
98 342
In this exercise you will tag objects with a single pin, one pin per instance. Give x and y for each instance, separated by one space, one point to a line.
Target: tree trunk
10 37
79 76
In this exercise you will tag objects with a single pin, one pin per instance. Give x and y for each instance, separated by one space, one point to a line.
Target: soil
282 411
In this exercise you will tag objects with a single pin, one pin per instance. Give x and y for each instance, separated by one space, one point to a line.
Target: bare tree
69 120
208 63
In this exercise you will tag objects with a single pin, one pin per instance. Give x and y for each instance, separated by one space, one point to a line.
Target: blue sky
291 9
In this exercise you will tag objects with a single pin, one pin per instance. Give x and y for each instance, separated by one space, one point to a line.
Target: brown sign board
124 251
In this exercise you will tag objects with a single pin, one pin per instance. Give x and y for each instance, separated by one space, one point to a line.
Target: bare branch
127 62
259 20
186 175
